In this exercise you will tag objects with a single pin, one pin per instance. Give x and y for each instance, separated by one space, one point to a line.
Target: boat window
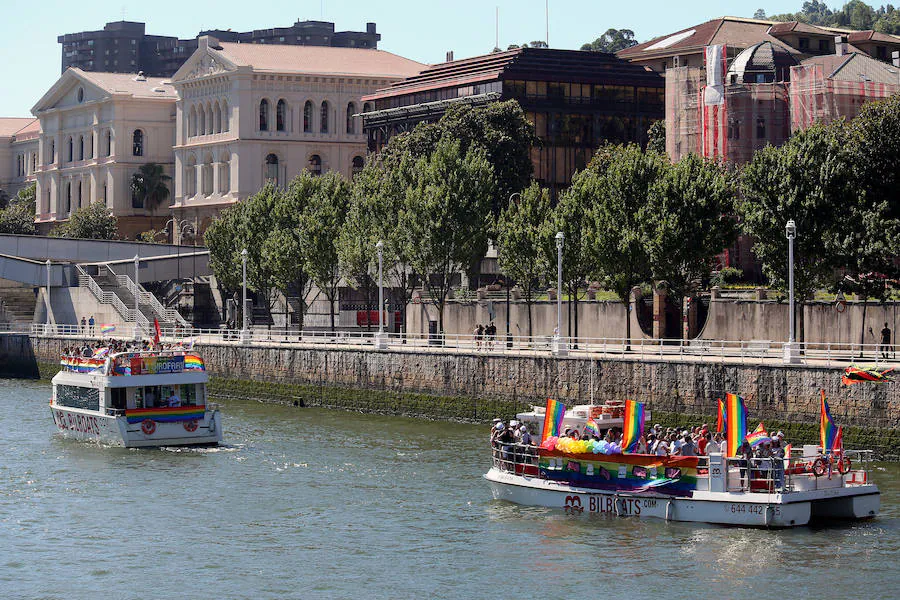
117 398
78 397
155 396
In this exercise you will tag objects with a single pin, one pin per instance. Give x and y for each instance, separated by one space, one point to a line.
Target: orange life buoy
843 465
148 426
819 467
191 425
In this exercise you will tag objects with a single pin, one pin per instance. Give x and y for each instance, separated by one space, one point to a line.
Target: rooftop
9 126
133 84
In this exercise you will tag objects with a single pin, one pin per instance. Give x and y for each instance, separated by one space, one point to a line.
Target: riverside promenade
461 380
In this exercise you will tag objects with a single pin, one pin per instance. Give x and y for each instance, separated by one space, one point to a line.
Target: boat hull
740 509
115 430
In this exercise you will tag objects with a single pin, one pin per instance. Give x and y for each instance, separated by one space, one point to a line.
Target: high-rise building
124 47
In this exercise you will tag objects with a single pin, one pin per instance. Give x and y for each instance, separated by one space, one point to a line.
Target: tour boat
606 416
777 493
136 399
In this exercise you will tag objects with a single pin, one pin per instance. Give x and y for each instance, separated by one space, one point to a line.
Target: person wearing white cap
525 436
496 430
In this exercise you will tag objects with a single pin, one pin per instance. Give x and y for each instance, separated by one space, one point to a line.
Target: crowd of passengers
699 441
104 347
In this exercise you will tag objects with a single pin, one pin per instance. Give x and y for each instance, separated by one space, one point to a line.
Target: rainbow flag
553 418
165 414
633 426
82 365
192 362
759 436
827 429
591 428
720 416
107 328
735 423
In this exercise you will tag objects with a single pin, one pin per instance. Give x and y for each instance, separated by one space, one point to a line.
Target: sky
423 30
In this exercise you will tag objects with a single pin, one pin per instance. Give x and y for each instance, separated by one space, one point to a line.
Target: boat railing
798 472
514 458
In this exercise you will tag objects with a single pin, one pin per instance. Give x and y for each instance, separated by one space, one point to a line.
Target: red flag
156 332
838 445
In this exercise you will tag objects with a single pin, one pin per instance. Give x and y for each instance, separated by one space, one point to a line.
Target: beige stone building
18 153
253 113
97 129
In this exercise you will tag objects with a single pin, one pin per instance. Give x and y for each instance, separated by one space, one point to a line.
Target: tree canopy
95 222
855 14
149 185
17 215
612 41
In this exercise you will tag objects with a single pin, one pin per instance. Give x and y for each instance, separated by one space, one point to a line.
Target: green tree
445 215
691 200
151 236
759 14
522 242
320 226
95 222
359 234
571 217
656 137
149 185
808 180
615 186
612 41
18 215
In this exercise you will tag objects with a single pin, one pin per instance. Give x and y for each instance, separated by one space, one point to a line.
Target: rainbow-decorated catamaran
136 399
819 482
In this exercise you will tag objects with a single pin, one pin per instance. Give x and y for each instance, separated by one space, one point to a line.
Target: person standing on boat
525 436
687 447
174 400
745 451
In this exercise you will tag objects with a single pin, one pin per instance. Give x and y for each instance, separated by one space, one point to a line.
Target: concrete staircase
16 303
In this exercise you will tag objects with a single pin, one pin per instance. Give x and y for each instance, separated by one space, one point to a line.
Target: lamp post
380 338
244 333
137 265
559 346
47 328
791 351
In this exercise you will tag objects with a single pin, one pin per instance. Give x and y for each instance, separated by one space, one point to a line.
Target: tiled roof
798 27
873 36
320 60
9 126
30 131
853 66
130 83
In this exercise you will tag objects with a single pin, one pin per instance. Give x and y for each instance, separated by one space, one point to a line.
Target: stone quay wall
477 386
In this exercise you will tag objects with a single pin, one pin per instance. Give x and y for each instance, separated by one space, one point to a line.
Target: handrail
127 314
138 291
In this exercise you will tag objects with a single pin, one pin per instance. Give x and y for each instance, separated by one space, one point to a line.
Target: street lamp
244 334
791 353
137 265
559 346
47 329
380 341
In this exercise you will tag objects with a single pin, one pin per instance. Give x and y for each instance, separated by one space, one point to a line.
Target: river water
312 503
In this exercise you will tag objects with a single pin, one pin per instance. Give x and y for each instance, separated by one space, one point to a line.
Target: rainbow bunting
759 436
591 428
107 328
165 414
827 429
633 426
192 362
735 423
553 418
720 416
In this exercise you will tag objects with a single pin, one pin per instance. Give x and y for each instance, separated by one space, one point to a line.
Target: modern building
124 47
576 100
18 153
249 114
97 129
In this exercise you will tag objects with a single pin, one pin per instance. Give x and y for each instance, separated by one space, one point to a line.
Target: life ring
190 426
843 465
819 467
148 426
840 306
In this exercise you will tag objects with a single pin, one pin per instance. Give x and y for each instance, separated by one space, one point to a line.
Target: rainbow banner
827 429
759 436
553 418
735 423
192 362
165 414
633 426
720 416
78 364
591 428
107 328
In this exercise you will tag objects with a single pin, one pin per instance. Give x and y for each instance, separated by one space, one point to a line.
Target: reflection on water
307 503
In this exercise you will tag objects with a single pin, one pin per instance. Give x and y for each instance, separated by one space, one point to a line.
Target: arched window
192 122
217 127
90 146
81 148
190 177
71 150
52 151
367 107
351 110
34 162
315 164
280 118
201 120
272 169
68 206
210 119
358 164
263 115
225 174
226 117
137 143
307 116
108 142
323 118
78 205
207 171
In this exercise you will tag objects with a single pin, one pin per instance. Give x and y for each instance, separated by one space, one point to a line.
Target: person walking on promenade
885 346
91 324
83 324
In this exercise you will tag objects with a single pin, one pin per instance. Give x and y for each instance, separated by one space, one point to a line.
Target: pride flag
192 362
759 436
828 431
107 328
165 414
735 423
553 418
720 416
633 427
591 428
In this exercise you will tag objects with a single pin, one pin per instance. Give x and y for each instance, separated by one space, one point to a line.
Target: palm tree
148 186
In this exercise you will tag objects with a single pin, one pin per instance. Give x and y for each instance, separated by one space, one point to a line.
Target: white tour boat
606 416
787 492
136 399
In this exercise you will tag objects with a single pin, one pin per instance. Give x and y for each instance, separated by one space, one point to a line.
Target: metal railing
169 315
104 297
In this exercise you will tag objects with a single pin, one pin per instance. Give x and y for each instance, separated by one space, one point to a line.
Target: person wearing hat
496 430
525 436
